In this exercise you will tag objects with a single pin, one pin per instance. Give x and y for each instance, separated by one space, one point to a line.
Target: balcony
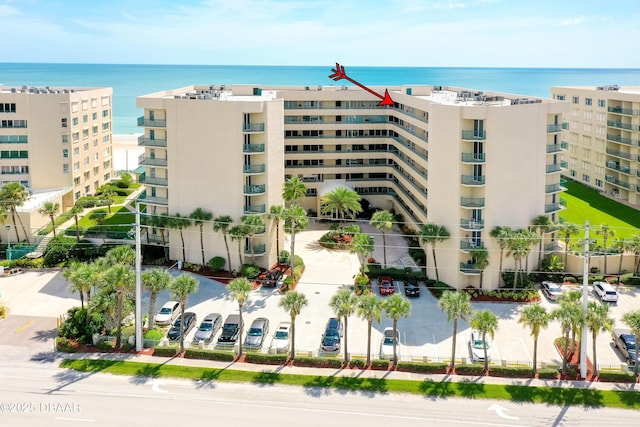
471 224
620 154
469 245
620 139
616 166
255 209
556 127
143 121
472 180
252 127
473 157
625 111
554 188
254 190
253 148
154 181
14 139
472 202
467 268
150 161
253 169
619 125
164 201
555 207
557 167
258 250
615 181
149 142
474 135
556 148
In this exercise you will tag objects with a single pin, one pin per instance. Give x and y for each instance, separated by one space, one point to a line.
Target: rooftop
42 89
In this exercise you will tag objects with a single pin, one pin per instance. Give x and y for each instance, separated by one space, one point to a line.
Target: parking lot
425 334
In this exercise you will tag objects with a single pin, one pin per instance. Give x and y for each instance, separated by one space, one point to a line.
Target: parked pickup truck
625 342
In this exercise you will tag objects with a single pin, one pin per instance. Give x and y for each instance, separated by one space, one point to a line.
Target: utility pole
585 296
138 282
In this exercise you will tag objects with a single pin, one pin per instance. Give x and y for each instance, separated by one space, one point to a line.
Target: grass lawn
119 215
584 203
467 389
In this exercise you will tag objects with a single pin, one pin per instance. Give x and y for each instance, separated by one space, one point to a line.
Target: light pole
8 227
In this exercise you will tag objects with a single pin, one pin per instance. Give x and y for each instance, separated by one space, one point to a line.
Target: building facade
56 142
604 138
464 159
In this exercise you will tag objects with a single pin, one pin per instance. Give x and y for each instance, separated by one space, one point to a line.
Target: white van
605 291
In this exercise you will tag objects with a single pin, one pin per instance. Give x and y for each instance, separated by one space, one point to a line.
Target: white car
282 338
386 344
552 290
476 346
168 313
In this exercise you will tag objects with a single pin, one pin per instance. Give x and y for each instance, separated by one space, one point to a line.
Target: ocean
130 81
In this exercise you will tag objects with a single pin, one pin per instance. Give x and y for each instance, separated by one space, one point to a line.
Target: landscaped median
561 396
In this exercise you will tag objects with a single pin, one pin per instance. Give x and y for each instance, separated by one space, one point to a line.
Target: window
94 130
65 153
601 103
76 195
599 170
74 107
600 117
572 173
85 133
588 101
76 166
85 118
586 166
64 122
65 168
107 177
585 178
105 139
87 189
74 121
87 176
94 103
76 151
587 127
587 115
95 157
560 97
598 182
86 161
85 105
105 127
105 113
94 116
10 170
105 100
14 154
95 142
76 181
85 147
65 138
105 152
7 108
576 100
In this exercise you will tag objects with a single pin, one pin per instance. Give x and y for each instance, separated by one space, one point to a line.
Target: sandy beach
126 151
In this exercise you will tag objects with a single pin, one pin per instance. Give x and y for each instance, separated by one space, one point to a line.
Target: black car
230 330
332 335
271 279
189 323
411 288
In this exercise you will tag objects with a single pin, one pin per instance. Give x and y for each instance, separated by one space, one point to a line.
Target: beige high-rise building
604 138
464 159
56 142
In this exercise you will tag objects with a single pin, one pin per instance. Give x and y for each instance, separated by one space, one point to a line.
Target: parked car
625 342
282 338
272 278
168 313
332 335
189 323
230 330
386 344
208 328
605 292
256 333
385 284
551 290
477 345
411 288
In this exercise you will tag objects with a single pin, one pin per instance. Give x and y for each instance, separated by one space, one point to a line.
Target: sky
438 33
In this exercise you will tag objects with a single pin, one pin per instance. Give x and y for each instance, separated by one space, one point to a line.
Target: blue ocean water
129 81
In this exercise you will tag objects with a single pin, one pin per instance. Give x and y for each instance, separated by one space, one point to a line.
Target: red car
385 283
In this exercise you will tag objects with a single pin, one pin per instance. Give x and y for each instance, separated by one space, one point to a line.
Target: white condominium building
461 158
604 138
56 142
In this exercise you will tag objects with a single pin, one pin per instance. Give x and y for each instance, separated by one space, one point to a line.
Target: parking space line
23 326
525 349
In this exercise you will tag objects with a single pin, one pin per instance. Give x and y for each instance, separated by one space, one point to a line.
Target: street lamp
8 227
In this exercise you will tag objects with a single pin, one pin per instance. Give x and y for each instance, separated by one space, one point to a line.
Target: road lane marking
23 326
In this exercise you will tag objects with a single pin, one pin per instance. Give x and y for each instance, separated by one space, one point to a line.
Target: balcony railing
249 169
615 181
255 209
467 268
474 135
150 180
555 127
258 250
472 180
624 169
554 188
468 245
253 190
620 154
626 111
621 139
619 125
555 207
556 167
253 148
473 157
253 127
150 161
156 200
14 139
144 121
472 202
149 142
555 148
471 224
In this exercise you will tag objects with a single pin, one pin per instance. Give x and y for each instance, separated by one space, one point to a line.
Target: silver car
208 328
477 346
256 333
282 338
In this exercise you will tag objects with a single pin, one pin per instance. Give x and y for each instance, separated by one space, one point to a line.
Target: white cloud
6 10
572 21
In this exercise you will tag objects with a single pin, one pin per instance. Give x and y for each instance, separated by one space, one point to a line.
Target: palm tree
485 322
536 318
13 195
342 201
239 291
122 279
519 246
597 320
369 307
80 276
502 235
344 304
180 222
161 222
107 198
635 247
293 302
3 217
199 217
566 229
181 287
396 307
276 214
568 315
481 260
50 209
155 280
253 225
123 254
632 319
75 211
457 305
99 215
238 233
383 221
573 297
431 234
623 245
295 220
606 232
294 189
542 225
362 245
221 225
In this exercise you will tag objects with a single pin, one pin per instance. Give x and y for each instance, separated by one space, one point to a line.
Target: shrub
75 326
58 251
613 280
284 257
380 364
216 263
194 353
250 271
266 359
570 279
617 377
153 334
511 371
298 261
66 345
548 374
165 351
470 369
104 345
357 363
427 368
318 362
126 347
3 312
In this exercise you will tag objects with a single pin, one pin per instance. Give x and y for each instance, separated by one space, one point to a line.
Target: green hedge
357 363
548 374
470 369
196 353
105 345
318 362
380 364
511 371
165 351
267 359
618 377
376 270
427 368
